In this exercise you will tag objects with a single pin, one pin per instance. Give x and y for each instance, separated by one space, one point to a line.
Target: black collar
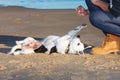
68 48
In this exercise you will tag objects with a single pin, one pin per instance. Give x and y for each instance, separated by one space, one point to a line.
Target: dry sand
16 23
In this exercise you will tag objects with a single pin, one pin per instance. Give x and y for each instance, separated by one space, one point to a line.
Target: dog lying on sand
26 46
69 43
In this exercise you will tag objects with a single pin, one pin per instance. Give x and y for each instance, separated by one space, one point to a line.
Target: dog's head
76 46
30 43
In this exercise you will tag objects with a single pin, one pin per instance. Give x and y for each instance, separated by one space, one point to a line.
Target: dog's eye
78 44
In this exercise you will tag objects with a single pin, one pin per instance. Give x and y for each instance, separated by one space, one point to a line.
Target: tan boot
110 44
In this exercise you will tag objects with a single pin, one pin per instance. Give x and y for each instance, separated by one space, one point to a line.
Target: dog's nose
84 24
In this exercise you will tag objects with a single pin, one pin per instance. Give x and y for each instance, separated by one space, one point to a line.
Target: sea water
44 4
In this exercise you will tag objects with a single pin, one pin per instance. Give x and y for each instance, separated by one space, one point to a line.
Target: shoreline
30 8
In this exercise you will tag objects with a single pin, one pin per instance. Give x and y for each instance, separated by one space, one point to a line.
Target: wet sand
17 23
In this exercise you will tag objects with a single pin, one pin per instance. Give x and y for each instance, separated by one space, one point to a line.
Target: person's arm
101 4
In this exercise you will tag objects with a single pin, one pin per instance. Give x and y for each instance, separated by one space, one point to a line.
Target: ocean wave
44 4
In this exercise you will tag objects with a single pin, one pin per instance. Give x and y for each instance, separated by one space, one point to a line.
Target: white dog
69 43
26 46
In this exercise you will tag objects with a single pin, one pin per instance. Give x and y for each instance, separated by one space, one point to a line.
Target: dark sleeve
115 10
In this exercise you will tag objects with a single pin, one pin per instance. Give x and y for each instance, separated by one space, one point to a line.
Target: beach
17 23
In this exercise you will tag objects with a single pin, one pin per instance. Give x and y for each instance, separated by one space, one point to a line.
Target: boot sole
109 52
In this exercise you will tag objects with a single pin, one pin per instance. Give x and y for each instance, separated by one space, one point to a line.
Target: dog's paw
81 26
15 53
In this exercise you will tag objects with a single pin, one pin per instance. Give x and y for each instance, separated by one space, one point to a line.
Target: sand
17 23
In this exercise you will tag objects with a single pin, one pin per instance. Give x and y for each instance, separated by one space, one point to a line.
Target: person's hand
81 11
103 5
95 2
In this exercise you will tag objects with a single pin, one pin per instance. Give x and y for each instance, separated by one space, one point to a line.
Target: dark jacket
115 7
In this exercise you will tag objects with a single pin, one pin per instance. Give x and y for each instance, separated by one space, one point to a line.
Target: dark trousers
105 21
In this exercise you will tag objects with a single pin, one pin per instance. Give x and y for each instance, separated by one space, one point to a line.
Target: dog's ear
78 36
18 42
